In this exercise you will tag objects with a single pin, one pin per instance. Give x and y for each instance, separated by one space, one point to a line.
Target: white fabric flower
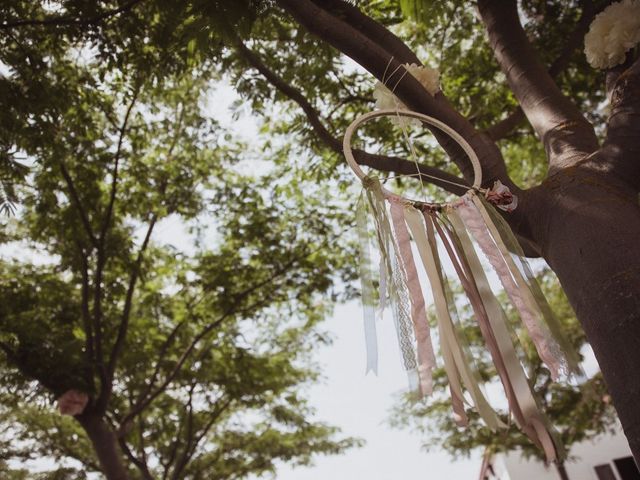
385 99
612 33
427 76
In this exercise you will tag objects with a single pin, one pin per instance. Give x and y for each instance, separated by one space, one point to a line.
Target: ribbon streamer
520 395
426 357
480 226
454 225
368 290
395 284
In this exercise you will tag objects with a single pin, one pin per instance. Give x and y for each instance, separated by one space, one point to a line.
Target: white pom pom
428 77
612 34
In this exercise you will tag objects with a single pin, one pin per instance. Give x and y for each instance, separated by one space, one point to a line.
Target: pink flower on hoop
501 197
72 402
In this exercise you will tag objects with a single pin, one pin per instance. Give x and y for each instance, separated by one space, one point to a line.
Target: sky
360 405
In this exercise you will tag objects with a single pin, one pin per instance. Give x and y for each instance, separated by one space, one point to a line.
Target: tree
584 217
578 412
191 358
500 64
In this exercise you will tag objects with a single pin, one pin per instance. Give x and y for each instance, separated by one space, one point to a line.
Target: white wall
584 457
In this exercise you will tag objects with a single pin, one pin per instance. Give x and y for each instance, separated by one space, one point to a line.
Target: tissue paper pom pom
72 402
385 99
427 76
613 32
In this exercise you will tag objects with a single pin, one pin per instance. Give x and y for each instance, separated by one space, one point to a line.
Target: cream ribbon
414 221
483 230
567 350
456 364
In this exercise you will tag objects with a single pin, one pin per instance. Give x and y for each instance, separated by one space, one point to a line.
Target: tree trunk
105 445
562 471
588 227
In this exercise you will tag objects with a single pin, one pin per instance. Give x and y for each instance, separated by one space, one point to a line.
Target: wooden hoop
348 153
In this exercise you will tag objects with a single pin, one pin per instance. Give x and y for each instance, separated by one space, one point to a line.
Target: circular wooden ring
348 153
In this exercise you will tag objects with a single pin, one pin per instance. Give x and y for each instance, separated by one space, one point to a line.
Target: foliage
97 91
194 352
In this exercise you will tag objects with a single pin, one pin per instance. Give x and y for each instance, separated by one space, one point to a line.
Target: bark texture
565 132
588 226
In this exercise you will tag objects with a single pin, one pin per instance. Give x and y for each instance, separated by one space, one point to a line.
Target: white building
606 457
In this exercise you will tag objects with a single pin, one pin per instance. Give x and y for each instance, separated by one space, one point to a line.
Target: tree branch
106 373
139 463
193 443
567 135
184 457
233 310
116 160
60 21
622 145
126 311
86 315
505 126
369 52
372 29
161 356
76 200
173 452
380 162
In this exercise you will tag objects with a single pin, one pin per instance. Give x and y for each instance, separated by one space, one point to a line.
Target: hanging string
412 150
402 125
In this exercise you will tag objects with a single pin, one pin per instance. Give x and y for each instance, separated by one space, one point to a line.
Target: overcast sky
360 405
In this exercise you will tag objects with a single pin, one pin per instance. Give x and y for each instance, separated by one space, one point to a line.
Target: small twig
60 21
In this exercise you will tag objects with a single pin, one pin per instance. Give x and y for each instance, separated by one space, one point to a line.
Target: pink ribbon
544 345
426 357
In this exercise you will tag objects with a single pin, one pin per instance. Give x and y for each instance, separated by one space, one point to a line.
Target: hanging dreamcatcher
455 229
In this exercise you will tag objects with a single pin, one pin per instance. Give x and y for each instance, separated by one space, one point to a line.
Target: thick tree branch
622 143
372 29
505 126
567 135
383 163
369 52
68 20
